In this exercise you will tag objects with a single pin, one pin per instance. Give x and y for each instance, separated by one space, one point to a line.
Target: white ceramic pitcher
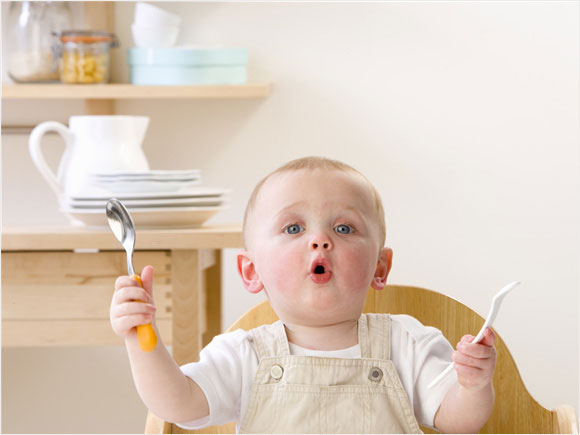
92 144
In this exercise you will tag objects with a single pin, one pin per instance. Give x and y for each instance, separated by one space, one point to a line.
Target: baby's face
313 237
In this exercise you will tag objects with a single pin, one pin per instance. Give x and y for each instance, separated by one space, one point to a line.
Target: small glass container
85 56
30 42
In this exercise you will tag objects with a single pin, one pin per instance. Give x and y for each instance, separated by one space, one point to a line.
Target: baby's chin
317 305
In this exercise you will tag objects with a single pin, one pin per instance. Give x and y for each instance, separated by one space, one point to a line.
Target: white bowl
150 16
156 37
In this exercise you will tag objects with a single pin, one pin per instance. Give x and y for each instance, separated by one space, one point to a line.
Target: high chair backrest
514 410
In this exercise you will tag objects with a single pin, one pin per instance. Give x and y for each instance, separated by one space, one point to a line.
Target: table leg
187 305
213 286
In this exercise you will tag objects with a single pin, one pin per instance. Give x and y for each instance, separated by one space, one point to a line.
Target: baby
314 235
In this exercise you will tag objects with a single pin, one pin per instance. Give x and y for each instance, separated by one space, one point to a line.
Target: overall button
276 371
376 374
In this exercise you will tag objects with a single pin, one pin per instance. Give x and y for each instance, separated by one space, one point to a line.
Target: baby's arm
164 389
467 405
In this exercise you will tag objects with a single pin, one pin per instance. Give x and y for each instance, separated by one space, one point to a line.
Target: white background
463 114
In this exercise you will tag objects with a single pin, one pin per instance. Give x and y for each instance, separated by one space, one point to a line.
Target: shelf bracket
99 106
93 106
18 130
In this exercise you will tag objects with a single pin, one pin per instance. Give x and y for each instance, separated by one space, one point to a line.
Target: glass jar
85 56
30 40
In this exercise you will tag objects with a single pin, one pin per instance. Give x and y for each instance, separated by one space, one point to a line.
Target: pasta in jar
85 57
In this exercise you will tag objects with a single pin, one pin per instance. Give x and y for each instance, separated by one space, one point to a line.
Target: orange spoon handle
145 333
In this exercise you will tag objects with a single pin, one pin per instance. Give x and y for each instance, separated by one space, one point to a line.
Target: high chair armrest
154 425
565 420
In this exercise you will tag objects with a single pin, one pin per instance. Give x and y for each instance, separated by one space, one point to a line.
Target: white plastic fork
495 304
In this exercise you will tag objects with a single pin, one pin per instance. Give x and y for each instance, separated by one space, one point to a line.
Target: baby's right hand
126 312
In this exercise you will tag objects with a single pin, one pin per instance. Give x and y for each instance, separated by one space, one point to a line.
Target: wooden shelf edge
118 91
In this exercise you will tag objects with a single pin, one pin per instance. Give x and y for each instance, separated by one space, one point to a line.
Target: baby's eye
343 229
293 229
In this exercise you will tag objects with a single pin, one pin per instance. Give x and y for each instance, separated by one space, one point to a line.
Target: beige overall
305 394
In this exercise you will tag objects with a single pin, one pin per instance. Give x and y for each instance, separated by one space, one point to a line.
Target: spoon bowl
495 304
123 228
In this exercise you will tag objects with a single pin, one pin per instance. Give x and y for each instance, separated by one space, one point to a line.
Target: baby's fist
475 362
132 305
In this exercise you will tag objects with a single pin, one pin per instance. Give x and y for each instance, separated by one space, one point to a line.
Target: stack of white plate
154 199
146 182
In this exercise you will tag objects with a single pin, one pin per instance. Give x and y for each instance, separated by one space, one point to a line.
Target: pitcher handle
38 158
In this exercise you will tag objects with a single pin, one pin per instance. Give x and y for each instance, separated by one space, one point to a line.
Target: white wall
463 114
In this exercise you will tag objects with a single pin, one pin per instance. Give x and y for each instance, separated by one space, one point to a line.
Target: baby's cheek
361 271
283 270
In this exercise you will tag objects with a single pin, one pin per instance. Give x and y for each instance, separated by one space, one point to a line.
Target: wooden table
57 284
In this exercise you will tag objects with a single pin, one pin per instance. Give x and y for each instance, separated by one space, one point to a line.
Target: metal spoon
122 226
495 304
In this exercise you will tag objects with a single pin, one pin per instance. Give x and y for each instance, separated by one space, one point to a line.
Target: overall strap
270 340
374 336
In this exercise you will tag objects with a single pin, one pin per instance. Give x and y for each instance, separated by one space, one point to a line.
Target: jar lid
88 37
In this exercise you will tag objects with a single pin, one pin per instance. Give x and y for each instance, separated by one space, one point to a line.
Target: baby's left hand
475 363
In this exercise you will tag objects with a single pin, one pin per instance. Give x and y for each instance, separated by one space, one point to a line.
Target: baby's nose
321 241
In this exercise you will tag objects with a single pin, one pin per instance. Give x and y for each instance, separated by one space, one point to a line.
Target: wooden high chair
514 410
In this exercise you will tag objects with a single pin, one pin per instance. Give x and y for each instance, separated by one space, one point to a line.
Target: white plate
143 178
144 203
120 186
154 173
153 218
194 192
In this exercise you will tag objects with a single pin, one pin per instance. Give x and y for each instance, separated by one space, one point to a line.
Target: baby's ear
383 268
248 273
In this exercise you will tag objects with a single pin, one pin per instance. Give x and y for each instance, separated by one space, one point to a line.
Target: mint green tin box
187 66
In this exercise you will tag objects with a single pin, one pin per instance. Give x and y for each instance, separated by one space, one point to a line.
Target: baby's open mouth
320 271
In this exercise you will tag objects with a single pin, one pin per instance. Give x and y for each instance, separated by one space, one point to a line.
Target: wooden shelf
128 91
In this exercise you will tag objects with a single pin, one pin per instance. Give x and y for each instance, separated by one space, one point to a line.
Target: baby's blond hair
311 163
